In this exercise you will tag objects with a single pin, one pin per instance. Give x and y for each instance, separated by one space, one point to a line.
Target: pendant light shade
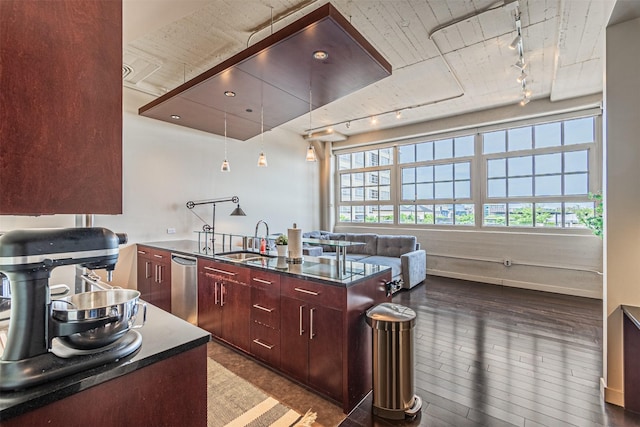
225 167
238 211
311 154
262 160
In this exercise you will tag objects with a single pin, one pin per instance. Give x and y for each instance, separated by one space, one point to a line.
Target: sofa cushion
370 243
394 246
331 236
393 262
312 235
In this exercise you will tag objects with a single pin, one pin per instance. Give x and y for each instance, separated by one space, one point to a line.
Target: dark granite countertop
163 336
633 313
322 269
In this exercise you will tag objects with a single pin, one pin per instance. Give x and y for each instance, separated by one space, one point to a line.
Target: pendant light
262 160
311 152
225 165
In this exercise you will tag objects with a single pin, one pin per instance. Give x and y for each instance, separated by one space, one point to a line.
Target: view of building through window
536 176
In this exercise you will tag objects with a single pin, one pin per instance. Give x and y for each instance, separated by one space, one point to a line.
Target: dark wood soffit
274 75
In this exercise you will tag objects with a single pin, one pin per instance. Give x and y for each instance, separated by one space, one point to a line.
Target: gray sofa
402 253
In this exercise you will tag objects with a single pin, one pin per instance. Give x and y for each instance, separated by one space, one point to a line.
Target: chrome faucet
266 237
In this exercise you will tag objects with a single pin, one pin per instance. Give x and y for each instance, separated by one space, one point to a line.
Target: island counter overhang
169 347
343 372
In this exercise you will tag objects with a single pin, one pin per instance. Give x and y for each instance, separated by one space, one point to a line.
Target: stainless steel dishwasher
184 288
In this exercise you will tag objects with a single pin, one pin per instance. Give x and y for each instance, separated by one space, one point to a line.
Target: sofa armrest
414 268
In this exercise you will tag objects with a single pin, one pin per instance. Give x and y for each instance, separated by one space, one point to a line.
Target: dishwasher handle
183 260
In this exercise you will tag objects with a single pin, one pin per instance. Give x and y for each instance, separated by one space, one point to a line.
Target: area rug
233 401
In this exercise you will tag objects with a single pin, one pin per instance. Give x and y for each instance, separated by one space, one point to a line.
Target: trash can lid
389 316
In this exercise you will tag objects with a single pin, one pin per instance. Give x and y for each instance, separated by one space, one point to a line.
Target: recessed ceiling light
320 55
229 93
175 117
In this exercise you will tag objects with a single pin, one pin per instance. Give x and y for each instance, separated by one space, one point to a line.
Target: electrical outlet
171 231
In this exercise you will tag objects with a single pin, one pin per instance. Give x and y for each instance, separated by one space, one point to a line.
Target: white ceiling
448 57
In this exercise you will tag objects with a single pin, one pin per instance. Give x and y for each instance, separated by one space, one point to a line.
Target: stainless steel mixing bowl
118 306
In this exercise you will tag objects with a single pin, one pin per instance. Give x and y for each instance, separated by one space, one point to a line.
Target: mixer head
45 249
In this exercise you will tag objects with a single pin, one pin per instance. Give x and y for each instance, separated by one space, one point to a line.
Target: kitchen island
305 320
162 383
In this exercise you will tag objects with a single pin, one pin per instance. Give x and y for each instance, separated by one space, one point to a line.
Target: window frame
478 174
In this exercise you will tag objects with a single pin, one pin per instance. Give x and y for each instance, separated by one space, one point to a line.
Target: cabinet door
325 350
161 285
61 110
144 275
209 310
237 315
294 356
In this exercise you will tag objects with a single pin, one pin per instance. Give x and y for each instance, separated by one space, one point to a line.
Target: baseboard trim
516 284
613 396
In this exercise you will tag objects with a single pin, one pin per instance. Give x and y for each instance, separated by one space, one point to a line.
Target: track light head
521 77
514 44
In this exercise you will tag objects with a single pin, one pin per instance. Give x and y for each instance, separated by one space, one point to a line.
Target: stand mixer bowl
118 306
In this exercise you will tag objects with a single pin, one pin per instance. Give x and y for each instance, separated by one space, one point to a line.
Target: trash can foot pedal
415 408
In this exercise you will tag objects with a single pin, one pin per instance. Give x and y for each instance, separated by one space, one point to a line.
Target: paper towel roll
295 244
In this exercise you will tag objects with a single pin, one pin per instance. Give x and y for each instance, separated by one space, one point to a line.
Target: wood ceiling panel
275 73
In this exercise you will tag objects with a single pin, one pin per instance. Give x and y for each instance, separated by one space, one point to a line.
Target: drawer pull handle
301 325
142 252
158 256
220 271
259 307
267 346
266 282
304 291
311 333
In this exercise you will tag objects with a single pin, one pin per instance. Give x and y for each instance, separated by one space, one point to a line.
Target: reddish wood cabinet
224 302
312 334
154 276
265 316
61 107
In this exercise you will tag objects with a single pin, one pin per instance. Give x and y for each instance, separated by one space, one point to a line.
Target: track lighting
398 114
521 77
514 44
374 120
524 101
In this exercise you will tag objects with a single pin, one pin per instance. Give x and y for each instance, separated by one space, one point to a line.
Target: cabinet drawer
227 272
266 280
265 308
157 255
265 344
313 292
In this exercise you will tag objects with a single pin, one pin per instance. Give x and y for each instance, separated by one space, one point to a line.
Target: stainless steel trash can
393 386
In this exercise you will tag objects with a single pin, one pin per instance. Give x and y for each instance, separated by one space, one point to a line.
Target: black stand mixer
27 258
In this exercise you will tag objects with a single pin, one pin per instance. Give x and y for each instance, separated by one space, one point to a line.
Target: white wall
622 192
166 165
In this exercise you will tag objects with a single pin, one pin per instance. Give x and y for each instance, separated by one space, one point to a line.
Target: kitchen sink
241 256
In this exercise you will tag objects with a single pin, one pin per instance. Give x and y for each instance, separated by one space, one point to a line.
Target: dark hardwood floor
488 355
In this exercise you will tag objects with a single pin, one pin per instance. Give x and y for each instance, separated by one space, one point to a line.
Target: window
365 186
534 176
434 176
538 176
